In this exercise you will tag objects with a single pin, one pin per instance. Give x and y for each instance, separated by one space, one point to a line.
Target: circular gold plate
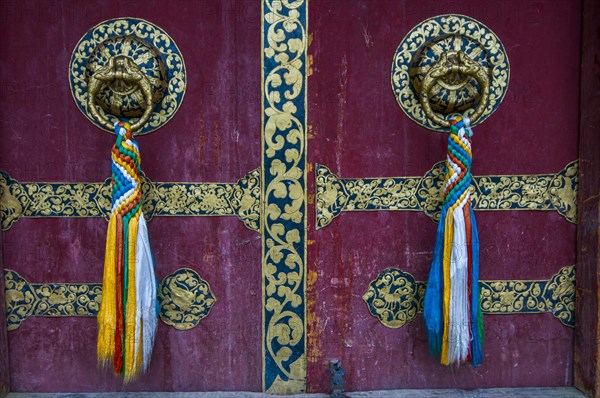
151 49
422 47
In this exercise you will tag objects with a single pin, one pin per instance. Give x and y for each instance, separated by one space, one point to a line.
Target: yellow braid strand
107 316
130 310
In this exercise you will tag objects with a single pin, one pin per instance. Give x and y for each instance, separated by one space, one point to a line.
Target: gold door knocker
456 68
125 73
127 69
448 65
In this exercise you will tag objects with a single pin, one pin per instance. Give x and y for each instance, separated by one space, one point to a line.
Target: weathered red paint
360 131
215 136
356 129
4 369
587 349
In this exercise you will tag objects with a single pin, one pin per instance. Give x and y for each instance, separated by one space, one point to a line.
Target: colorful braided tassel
452 315
128 315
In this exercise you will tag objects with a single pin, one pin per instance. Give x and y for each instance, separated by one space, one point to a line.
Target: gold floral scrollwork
93 199
20 299
63 200
512 192
185 299
556 296
560 295
13 200
283 215
529 192
563 191
331 196
507 297
336 194
103 198
67 299
543 192
395 298
24 299
177 199
430 193
244 199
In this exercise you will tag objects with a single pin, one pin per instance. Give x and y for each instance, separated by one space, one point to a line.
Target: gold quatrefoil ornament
127 69
447 65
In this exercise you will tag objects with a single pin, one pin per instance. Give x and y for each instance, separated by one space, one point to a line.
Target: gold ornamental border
395 298
284 194
528 192
184 297
92 199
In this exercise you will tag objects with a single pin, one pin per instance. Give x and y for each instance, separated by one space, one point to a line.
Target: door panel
275 328
359 131
214 137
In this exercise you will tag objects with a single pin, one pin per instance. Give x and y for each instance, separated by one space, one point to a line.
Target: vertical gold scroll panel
284 195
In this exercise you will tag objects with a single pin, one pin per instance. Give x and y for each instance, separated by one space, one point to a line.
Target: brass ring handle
119 68
454 62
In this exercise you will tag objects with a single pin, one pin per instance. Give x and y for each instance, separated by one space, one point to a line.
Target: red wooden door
214 137
325 65
358 131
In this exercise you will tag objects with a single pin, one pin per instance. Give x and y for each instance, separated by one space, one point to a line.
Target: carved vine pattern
60 199
395 298
546 192
284 216
185 299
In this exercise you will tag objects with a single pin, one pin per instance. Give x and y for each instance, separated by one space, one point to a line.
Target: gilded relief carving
430 194
283 225
185 299
505 297
556 295
24 299
13 200
334 195
63 200
560 293
152 51
423 47
244 200
58 199
395 298
556 192
563 191
548 192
